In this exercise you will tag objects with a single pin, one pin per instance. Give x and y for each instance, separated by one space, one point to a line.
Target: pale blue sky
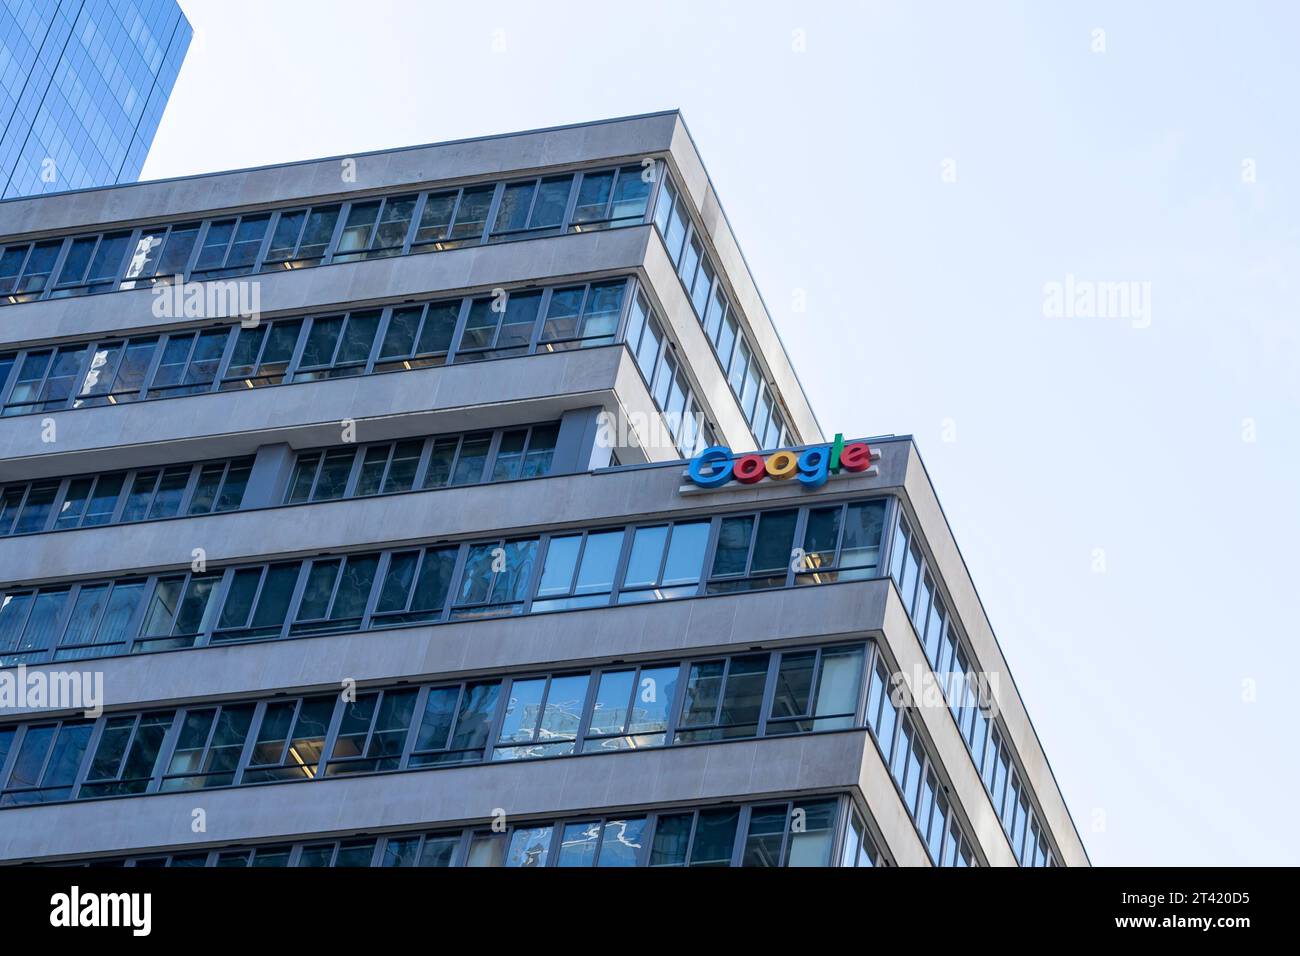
925 305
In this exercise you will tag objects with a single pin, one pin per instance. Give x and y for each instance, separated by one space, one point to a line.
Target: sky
918 187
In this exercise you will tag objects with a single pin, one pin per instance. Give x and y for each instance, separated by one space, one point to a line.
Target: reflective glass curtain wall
83 85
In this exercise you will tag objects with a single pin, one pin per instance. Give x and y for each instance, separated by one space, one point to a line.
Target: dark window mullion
250 743
228 352
293 727
296 245
64 619
462 317
155 361
753 542
494 208
165 749
536 732
332 732
377 343
457 574
222 591
354 472
588 706
422 464
264 247
123 495
624 552
295 597
624 310
295 359
679 701
535 336
103 610
498 720
60 493
417 213
413 729
340 223
769 692
60 259
376 586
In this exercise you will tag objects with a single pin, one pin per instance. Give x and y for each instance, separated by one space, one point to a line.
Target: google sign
716 466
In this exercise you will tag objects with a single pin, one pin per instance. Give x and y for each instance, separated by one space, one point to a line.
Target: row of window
140 494
600 710
117 370
798 832
321 474
327 594
383 468
988 745
295 238
703 283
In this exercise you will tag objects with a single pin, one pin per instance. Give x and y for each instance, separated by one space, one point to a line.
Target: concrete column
270 476
576 449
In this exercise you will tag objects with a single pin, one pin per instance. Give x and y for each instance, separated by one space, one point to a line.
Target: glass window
27 284
415 586
529 846
128 755
631 195
578 571
372 732
289 740
25 636
455 724
499 327
336 594
92 264
435 222
631 709
542 717
471 217
593 199
714 837
36 507
45 767
316 237
812 832
723 699
665 562
471 459
532 207
208 748
763 563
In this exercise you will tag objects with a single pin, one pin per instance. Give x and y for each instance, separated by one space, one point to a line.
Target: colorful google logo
715 466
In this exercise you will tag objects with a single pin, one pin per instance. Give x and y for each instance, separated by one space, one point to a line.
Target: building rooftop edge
324 159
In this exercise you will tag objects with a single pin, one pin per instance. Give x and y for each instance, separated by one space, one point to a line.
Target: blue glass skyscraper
83 84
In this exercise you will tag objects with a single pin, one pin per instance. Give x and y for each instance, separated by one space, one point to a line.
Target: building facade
83 84
362 485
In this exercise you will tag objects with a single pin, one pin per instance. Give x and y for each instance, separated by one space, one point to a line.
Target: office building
379 491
